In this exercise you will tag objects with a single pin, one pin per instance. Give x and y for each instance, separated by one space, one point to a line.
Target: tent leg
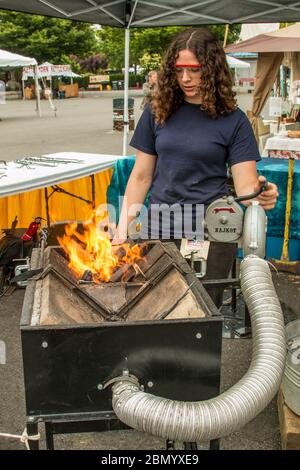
47 207
93 191
23 89
37 92
126 86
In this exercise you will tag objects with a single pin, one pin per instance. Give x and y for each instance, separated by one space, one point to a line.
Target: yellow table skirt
62 207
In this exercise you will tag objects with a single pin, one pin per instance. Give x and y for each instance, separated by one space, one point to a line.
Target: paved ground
85 124
82 125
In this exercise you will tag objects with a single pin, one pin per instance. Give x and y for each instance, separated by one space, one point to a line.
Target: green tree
150 62
150 41
45 38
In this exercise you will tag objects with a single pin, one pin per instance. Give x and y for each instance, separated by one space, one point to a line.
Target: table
276 170
282 147
23 183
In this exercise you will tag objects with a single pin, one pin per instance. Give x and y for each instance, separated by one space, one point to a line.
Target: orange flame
92 250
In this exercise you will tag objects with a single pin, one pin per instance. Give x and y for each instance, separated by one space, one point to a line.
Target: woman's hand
267 199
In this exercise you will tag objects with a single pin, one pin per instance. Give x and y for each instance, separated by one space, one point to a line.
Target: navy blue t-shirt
193 151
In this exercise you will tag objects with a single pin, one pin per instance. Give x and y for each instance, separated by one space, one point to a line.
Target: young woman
192 132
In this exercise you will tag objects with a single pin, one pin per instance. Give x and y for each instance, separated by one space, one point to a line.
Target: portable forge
156 320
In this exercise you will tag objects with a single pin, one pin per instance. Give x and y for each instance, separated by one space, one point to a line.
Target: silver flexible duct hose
220 416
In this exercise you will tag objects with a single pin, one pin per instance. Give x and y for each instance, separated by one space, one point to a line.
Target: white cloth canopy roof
20 179
8 59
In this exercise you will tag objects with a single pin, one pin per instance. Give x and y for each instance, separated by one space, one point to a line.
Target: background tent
139 13
46 71
236 63
10 60
282 40
271 48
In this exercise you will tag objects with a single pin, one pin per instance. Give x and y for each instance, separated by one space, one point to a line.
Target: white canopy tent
151 13
10 60
46 71
236 63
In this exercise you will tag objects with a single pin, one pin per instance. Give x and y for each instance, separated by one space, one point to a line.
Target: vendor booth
47 71
273 48
10 60
58 187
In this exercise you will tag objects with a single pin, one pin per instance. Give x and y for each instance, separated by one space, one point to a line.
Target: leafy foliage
150 41
60 41
45 39
92 64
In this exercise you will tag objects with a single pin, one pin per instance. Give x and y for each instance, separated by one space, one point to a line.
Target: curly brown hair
216 80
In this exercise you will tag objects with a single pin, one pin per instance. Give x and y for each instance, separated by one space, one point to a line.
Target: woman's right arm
137 188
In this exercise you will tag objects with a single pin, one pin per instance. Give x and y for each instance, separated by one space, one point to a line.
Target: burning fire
92 251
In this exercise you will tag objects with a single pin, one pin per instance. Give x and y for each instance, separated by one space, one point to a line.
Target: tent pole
23 88
126 86
37 92
47 207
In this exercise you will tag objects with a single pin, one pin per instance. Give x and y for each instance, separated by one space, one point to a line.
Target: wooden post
226 35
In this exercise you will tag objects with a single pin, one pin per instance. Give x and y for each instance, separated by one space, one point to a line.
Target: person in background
149 87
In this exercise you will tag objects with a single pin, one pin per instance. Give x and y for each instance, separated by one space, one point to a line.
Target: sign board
48 70
275 106
99 78
60 69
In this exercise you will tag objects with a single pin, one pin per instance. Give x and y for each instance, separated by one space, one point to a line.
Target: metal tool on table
28 162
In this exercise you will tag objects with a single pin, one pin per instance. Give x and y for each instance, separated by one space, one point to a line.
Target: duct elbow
220 416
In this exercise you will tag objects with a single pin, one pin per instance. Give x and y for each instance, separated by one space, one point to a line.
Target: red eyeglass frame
190 66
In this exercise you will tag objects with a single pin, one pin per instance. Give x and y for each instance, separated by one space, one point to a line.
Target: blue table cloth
276 171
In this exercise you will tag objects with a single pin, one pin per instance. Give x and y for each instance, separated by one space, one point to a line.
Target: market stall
47 71
10 60
272 48
75 181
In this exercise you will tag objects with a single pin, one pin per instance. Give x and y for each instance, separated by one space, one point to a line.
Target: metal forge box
160 324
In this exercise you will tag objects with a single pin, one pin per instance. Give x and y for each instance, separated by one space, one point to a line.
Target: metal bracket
125 376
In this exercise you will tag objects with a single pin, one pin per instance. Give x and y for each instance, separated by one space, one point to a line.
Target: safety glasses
191 69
